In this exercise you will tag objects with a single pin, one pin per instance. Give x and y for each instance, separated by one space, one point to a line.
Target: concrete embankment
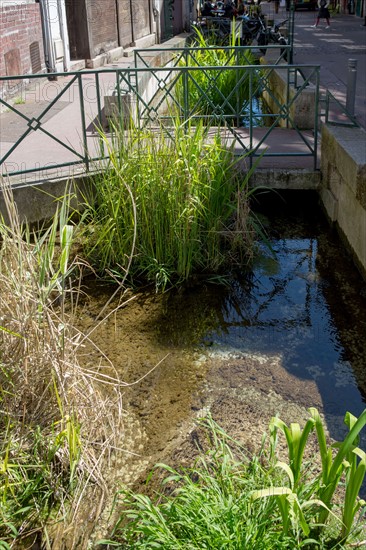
343 186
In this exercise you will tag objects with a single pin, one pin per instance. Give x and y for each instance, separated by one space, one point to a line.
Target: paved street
331 49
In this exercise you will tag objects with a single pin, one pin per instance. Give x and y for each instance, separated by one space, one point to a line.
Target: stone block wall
302 105
343 187
148 82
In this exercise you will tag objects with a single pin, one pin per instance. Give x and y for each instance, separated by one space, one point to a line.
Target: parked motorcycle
219 28
272 35
251 28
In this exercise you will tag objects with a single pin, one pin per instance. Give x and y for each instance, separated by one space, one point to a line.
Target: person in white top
323 13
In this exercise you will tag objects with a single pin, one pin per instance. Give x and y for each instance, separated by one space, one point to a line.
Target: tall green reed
214 92
51 409
166 207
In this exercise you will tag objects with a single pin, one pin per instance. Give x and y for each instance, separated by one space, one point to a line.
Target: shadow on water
306 304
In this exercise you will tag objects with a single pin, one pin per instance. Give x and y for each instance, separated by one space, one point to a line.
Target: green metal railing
338 115
37 123
152 101
226 111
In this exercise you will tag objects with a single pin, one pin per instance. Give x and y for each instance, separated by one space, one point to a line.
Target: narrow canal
307 304
286 335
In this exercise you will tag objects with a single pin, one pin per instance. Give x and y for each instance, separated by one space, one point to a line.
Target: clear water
306 303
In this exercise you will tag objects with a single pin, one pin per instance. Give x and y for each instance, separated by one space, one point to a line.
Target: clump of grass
53 413
173 203
217 504
214 93
19 101
207 506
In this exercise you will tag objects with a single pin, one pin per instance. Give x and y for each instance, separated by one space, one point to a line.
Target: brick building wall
21 42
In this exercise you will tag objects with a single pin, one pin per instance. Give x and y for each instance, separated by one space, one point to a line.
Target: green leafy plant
296 442
290 505
216 93
355 474
349 461
344 462
167 207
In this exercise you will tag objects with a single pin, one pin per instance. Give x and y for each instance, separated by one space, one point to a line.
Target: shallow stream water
307 304
286 335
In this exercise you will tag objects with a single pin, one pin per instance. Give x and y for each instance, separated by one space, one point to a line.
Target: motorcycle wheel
262 40
246 40
283 42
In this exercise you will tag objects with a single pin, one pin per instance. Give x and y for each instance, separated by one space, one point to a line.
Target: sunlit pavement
331 49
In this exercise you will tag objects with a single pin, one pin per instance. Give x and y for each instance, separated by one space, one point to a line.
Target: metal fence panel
57 129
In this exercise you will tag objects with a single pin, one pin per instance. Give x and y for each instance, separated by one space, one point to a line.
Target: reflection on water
308 304
252 113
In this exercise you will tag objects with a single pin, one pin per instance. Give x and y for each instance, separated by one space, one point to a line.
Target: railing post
351 86
237 106
291 33
185 90
251 77
316 118
83 121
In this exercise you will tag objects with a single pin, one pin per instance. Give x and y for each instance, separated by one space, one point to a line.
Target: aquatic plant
176 204
212 93
349 462
217 504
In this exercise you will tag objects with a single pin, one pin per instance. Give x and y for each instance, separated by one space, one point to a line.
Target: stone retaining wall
302 108
343 187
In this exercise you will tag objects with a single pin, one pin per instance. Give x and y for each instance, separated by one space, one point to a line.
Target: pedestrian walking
323 13
276 5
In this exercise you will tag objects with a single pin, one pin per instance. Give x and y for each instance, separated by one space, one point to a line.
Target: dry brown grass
42 383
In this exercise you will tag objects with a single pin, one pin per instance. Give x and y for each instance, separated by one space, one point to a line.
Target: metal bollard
351 86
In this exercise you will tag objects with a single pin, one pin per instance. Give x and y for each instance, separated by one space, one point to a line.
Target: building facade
21 39
50 35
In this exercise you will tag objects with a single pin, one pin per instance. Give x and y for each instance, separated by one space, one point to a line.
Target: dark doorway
77 27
